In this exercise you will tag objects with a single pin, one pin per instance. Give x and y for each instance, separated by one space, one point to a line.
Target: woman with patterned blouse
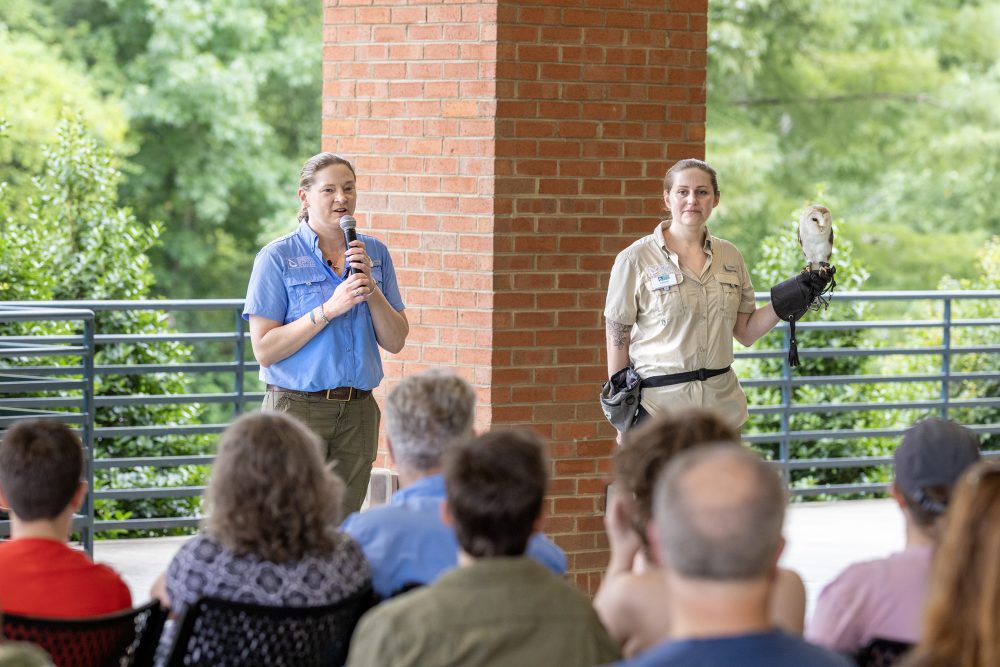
271 535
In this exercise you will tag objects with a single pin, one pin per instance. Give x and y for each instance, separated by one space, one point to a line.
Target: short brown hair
495 486
270 492
41 465
649 448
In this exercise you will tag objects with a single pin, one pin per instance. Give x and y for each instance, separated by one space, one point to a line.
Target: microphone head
347 222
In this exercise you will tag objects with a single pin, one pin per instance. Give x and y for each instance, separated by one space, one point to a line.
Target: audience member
497 607
271 534
718 513
406 542
41 469
962 620
884 598
632 600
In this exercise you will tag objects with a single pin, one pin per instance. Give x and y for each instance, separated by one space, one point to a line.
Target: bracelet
312 316
322 313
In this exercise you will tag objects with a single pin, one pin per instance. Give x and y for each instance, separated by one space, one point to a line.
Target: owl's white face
820 217
691 198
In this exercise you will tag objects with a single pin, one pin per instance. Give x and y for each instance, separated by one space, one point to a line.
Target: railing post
786 413
946 358
240 363
87 426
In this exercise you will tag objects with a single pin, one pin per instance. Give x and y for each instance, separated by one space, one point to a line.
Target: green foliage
892 108
77 243
36 86
223 103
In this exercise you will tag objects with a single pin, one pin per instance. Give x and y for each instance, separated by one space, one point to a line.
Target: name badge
664 280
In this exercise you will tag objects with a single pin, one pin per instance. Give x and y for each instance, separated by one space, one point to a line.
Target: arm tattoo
617 333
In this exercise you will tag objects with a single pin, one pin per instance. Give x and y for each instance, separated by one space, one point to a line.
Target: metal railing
221 352
76 379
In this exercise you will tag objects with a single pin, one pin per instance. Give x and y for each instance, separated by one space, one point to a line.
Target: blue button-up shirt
289 279
407 542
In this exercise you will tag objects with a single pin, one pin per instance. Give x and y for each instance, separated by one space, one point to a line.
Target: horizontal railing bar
107 339
69 417
839 489
69 351
104 432
194 367
847 434
843 325
32 386
158 492
955 404
154 461
27 311
177 399
43 402
147 524
137 304
868 379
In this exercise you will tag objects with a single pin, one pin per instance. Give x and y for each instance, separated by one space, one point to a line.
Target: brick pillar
506 152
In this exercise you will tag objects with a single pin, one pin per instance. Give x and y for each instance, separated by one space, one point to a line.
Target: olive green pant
349 431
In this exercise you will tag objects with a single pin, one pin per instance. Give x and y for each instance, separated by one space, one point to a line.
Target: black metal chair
121 639
881 652
223 633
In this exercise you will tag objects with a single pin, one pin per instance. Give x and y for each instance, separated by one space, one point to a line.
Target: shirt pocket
305 292
730 290
667 303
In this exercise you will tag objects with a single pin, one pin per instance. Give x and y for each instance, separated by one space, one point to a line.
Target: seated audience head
718 511
270 493
425 415
649 448
962 613
495 485
932 456
41 469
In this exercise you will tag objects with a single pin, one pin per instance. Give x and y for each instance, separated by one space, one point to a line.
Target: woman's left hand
356 257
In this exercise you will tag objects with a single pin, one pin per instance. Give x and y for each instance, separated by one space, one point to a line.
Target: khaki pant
349 431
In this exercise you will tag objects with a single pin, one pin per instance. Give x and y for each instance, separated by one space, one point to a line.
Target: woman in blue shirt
316 327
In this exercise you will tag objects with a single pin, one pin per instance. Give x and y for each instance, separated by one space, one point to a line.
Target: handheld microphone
347 223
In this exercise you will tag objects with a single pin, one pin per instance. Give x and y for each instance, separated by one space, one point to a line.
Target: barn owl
816 236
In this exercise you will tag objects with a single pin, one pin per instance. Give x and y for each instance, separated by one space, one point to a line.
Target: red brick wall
507 151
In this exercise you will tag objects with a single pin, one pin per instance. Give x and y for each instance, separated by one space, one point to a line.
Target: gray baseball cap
934 452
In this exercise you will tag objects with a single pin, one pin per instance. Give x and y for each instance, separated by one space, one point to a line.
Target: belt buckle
350 395
701 374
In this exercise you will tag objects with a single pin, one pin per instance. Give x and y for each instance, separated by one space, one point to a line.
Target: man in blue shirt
406 542
718 513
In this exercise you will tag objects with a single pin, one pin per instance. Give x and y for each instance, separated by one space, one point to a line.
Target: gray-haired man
718 513
405 542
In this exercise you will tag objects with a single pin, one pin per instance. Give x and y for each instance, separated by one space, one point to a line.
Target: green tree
223 102
36 85
892 109
76 242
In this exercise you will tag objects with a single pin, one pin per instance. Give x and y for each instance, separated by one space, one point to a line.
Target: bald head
719 511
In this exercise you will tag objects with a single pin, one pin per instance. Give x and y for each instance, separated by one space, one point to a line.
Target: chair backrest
881 652
121 639
223 633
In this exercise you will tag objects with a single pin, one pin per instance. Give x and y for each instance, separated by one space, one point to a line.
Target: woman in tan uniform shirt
677 298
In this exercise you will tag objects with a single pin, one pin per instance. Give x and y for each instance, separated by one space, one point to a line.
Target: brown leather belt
338 394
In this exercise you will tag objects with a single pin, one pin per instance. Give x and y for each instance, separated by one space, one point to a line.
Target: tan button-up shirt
682 321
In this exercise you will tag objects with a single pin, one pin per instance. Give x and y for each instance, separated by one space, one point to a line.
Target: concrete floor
822 539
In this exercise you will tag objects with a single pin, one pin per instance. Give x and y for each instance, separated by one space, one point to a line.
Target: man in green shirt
498 607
